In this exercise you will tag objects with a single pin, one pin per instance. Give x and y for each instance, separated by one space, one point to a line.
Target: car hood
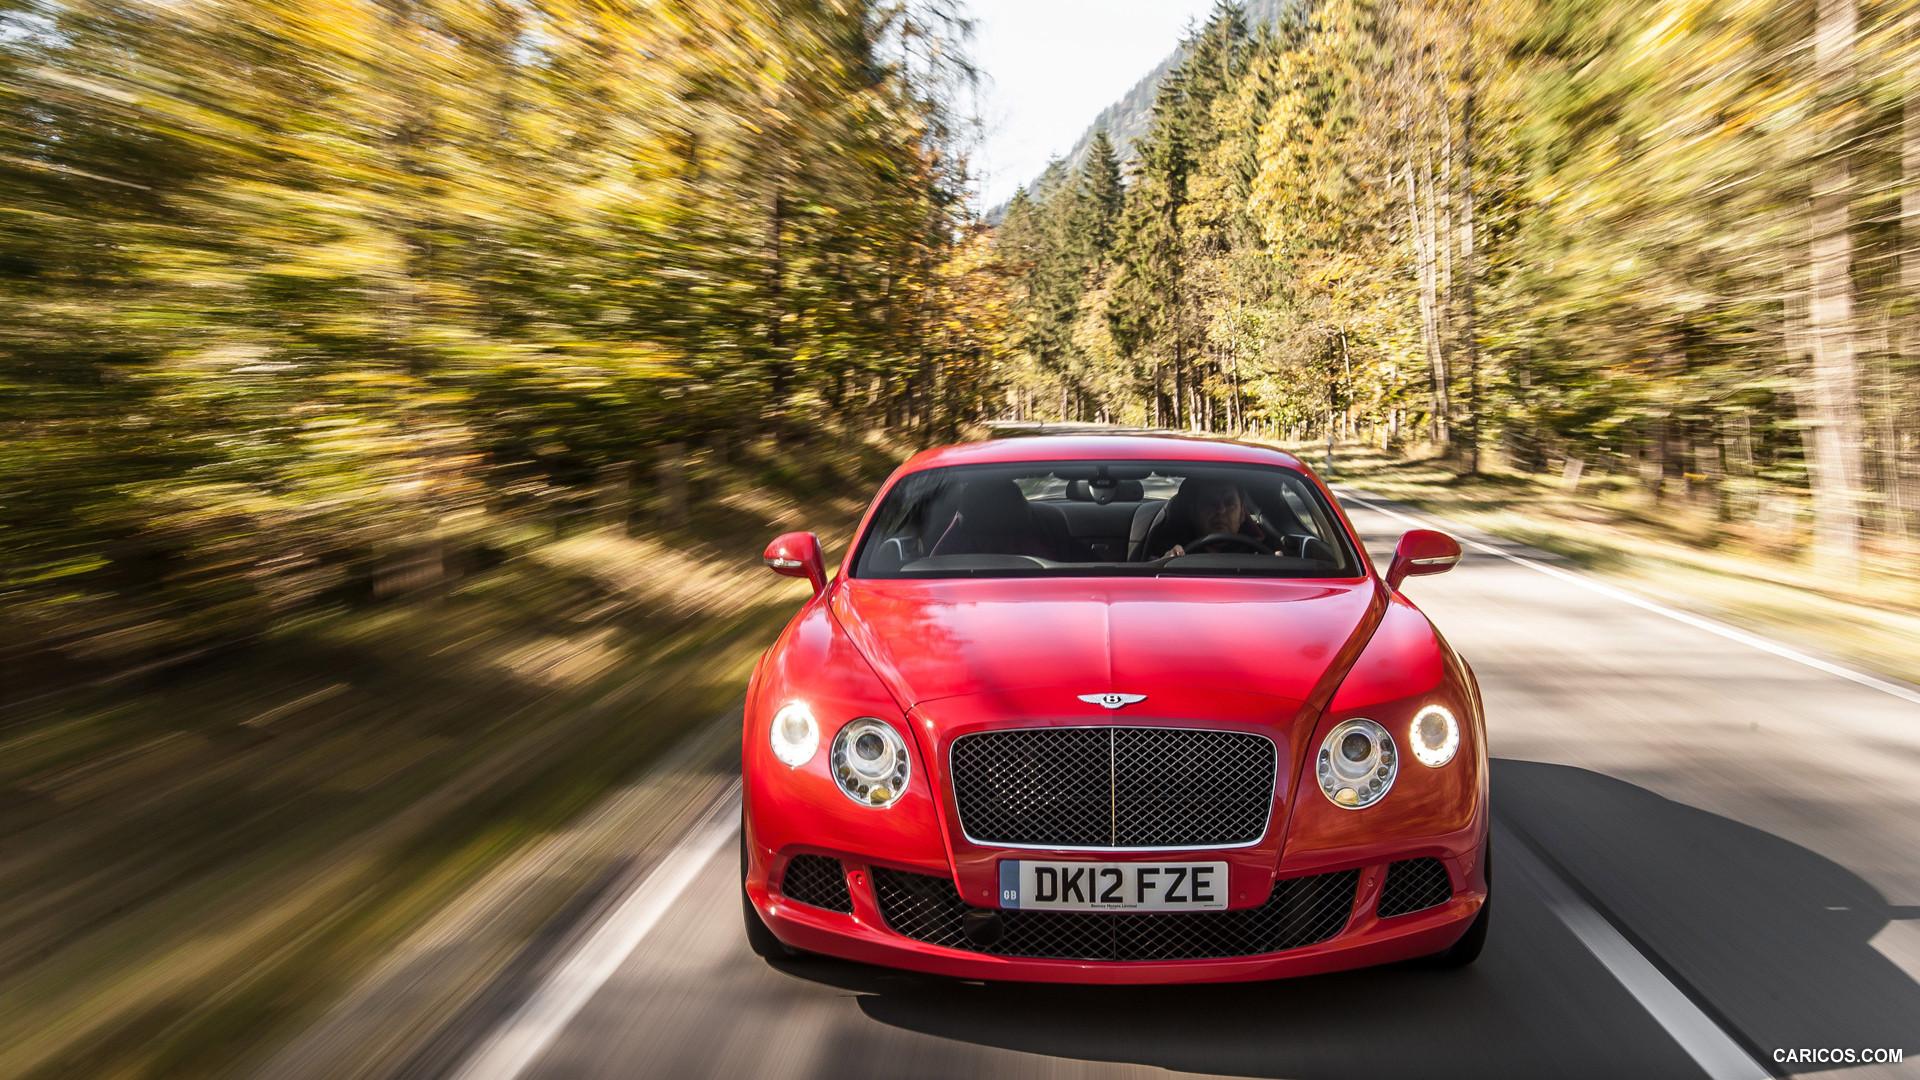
1175 640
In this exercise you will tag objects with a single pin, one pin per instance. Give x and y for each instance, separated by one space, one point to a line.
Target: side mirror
1422 551
797 554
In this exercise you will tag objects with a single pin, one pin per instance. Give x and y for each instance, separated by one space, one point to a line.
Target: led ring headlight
794 735
1435 736
1357 764
870 762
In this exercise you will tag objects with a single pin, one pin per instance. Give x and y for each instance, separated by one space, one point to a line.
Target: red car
1113 710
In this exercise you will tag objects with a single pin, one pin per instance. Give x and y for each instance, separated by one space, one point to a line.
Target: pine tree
1100 197
1535 235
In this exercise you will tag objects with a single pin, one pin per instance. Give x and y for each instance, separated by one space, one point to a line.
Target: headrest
986 505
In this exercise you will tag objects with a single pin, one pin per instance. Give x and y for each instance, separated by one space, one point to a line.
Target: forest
302 298
1671 240
300 294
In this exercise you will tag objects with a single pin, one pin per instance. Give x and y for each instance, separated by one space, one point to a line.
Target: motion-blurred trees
296 290
295 287
1670 239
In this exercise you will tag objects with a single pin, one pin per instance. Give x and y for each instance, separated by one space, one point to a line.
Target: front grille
816 880
1301 911
1113 787
1414 885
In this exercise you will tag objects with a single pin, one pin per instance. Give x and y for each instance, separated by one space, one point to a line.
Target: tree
1541 235
1099 198
290 298
1834 390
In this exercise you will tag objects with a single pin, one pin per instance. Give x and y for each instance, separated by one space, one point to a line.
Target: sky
1052 65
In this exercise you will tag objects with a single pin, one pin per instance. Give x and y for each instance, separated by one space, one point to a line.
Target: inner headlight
1357 764
1436 735
870 762
794 734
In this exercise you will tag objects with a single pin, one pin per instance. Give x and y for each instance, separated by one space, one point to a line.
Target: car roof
1100 448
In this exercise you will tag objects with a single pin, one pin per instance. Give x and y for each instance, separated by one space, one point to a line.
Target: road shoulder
464 971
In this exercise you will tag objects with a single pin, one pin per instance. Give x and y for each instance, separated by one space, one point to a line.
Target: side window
1304 512
1310 514
914 514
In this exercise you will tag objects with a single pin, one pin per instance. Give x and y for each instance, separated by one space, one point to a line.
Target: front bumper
1365 939
1436 814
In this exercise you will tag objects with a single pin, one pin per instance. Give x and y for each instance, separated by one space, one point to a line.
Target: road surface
1707 866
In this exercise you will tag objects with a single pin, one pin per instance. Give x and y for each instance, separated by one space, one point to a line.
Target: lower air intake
818 881
1414 885
1301 911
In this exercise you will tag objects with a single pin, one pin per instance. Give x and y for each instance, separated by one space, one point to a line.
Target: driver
1211 505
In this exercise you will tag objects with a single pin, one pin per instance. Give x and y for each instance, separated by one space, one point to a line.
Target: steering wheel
1248 542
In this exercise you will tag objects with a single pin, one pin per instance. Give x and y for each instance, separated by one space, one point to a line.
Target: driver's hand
1174 552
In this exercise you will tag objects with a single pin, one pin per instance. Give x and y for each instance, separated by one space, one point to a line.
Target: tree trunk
1835 435
1238 417
1333 401
1653 462
1179 382
779 367
1440 215
1901 410
1469 279
1420 235
1333 395
411 305
670 485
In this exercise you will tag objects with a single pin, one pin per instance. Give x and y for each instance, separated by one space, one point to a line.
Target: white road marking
1755 641
1710 1047
514 1045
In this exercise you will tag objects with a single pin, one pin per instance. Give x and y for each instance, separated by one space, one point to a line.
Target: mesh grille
817 880
1118 787
1414 885
1301 911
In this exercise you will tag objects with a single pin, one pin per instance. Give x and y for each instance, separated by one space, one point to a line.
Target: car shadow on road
1784 947
1775 938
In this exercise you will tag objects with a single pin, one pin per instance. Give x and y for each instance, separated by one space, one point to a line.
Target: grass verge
1754 573
193 866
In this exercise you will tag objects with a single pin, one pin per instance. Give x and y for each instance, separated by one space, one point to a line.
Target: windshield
1126 518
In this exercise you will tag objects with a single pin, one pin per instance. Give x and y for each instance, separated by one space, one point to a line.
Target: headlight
1435 736
870 762
1357 764
794 734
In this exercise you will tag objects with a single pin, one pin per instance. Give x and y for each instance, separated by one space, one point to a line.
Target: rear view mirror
1105 490
1422 551
797 554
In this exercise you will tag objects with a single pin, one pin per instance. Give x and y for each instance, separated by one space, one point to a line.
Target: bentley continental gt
1113 709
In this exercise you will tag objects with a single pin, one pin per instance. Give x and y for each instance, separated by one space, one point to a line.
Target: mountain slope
1127 119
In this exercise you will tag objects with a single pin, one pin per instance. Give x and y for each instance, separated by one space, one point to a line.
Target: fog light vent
1414 885
817 881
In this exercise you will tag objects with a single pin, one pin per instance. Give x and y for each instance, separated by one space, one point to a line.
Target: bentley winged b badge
1112 701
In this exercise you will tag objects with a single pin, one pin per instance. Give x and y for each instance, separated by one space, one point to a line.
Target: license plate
1030 884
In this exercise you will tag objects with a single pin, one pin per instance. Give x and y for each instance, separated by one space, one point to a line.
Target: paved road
1708 853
